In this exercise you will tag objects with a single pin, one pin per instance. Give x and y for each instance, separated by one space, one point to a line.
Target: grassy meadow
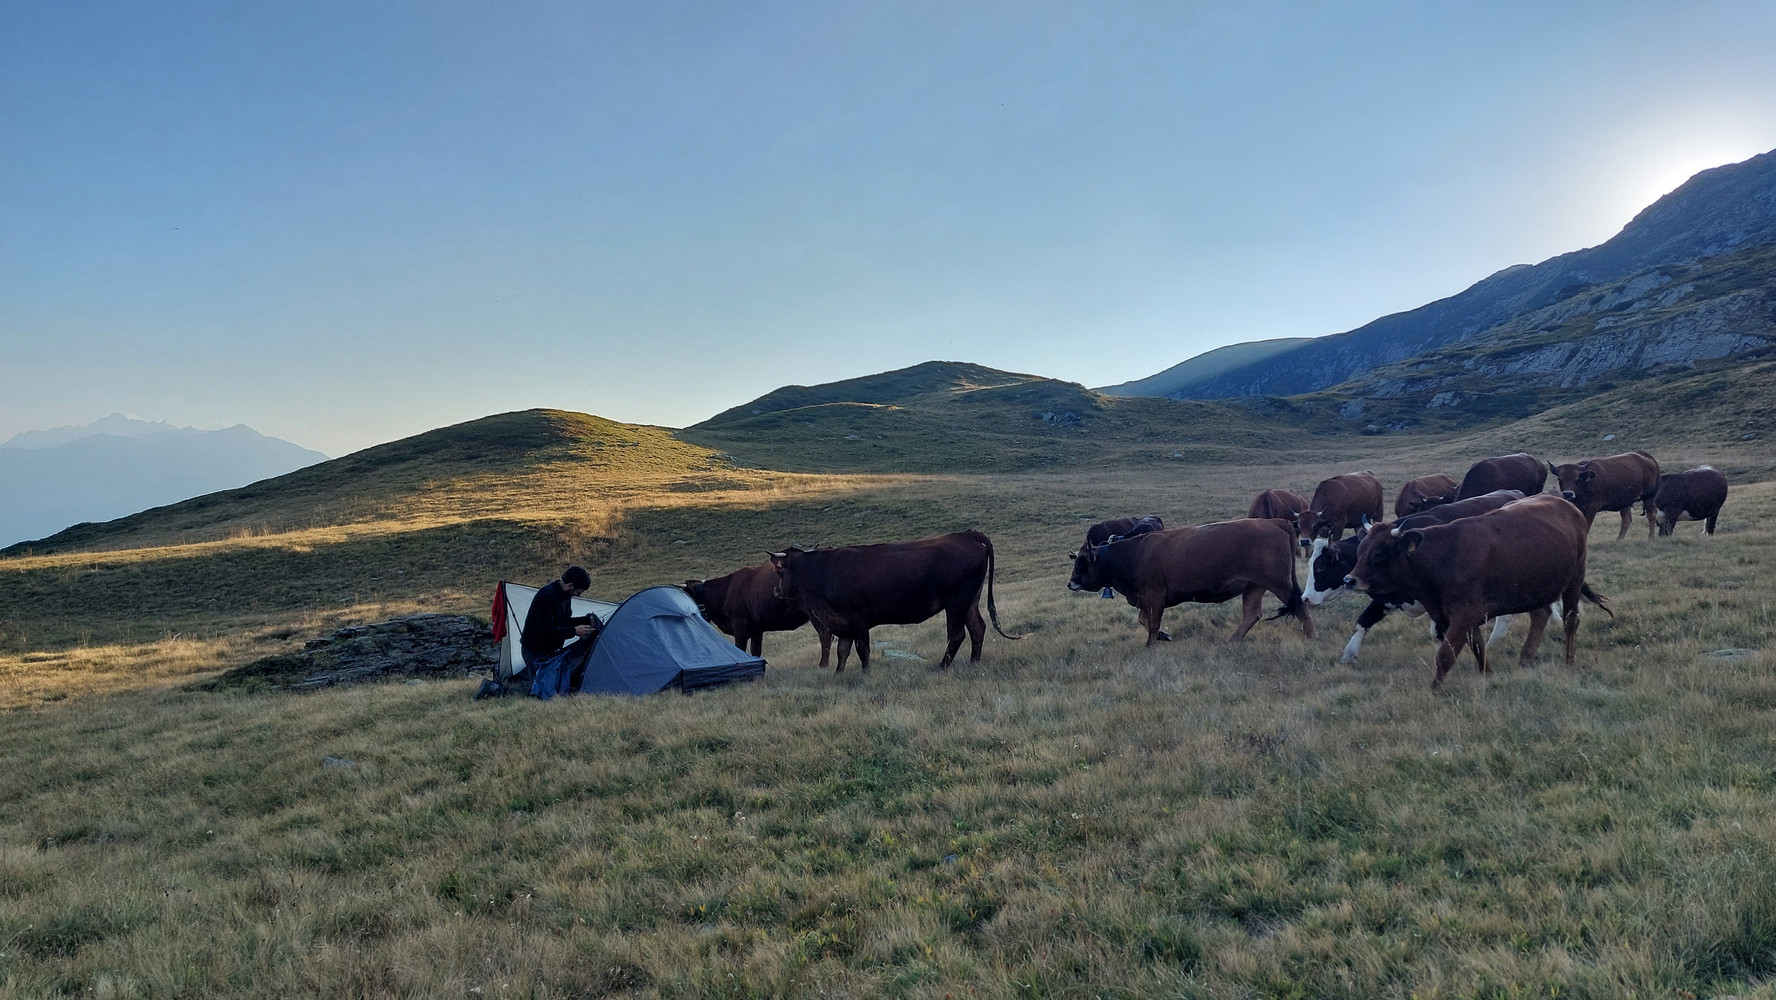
1075 816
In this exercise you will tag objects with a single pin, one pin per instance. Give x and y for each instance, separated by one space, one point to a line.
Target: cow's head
1328 563
1422 504
694 590
1567 476
1379 565
787 564
1088 571
1312 524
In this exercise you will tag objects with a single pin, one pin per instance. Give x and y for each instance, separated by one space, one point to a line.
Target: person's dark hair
576 577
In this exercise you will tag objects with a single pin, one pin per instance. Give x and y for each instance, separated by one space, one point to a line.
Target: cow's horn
1394 533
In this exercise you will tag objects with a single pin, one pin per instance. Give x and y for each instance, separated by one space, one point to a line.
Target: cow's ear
1587 475
1411 540
1073 556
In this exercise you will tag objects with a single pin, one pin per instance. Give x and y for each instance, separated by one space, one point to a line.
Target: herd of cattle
1488 547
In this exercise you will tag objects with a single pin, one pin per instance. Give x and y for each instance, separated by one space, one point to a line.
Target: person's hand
582 630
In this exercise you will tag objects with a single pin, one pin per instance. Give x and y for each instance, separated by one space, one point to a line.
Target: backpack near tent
653 641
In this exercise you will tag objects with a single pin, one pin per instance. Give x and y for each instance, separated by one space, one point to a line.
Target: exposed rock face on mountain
1716 212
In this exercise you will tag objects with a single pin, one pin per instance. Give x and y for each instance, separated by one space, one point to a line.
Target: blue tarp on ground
657 640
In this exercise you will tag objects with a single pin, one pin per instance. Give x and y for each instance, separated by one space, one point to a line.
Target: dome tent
657 640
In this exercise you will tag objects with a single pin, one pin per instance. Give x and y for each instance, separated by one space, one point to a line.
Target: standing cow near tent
745 605
851 590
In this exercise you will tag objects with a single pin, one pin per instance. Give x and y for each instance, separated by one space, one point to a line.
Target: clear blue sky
346 222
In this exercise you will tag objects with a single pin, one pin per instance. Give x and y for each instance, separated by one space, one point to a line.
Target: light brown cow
745 605
1614 483
1423 493
1286 504
1207 564
1518 559
1339 503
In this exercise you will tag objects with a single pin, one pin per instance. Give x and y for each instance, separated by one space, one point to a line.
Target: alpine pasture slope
1076 816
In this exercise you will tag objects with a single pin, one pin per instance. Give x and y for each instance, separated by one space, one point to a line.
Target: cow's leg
955 624
1150 617
1447 651
1538 624
1478 645
844 654
862 646
977 632
826 638
1500 626
757 646
1355 644
1251 609
1709 526
1371 616
1627 519
1458 628
1571 621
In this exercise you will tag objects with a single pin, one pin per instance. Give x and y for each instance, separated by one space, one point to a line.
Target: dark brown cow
1122 527
1207 564
745 605
1693 495
1339 503
1521 471
853 589
1423 493
1517 559
1286 504
1614 483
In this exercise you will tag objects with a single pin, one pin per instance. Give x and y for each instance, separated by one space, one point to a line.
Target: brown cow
1517 559
853 589
1339 503
1207 564
1122 527
1694 495
1286 504
1423 493
1614 483
1520 471
745 605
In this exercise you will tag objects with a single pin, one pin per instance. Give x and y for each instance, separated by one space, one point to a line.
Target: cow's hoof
1163 636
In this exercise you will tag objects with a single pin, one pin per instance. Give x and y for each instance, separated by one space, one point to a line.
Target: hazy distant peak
116 425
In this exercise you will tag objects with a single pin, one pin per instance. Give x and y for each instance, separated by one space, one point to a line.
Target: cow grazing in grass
1520 471
1330 563
1614 483
1339 503
1122 527
745 605
853 589
1517 559
1207 564
1424 493
1693 495
1286 504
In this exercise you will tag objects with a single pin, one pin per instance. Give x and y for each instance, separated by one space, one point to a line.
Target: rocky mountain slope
1716 212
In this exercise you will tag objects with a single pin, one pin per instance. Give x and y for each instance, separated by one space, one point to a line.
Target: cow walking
853 589
1286 504
745 605
1515 560
1614 483
1207 564
1339 503
1692 495
1425 492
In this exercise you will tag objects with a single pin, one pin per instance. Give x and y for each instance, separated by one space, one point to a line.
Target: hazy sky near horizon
343 223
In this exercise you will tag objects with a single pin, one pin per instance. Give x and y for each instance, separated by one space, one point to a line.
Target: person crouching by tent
548 628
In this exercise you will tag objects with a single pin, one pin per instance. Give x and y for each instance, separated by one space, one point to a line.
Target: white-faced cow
1614 483
1424 493
745 605
853 589
1207 564
1520 471
1330 564
1286 504
1517 559
1339 503
1693 495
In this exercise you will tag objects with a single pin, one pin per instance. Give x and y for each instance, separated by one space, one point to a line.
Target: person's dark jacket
550 622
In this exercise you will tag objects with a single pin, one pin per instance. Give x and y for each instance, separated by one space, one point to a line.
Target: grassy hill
1077 815
1204 366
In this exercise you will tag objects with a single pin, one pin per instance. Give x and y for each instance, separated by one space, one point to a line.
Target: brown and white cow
1206 564
745 605
1286 504
1339 503
1122 527
1520 471
1423 493
1518 559
1692 495
1614 483
853 589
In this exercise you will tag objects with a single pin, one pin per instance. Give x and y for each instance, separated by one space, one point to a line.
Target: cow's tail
1594 597
1294 605
992 612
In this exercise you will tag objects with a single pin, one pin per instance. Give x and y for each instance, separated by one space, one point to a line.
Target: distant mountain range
1726 210
52 479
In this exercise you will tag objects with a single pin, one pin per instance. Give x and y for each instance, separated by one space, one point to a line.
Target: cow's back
1212 562
1523 556
1520 471
1277 503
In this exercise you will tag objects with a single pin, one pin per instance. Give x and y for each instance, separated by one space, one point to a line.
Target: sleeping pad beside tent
653 641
